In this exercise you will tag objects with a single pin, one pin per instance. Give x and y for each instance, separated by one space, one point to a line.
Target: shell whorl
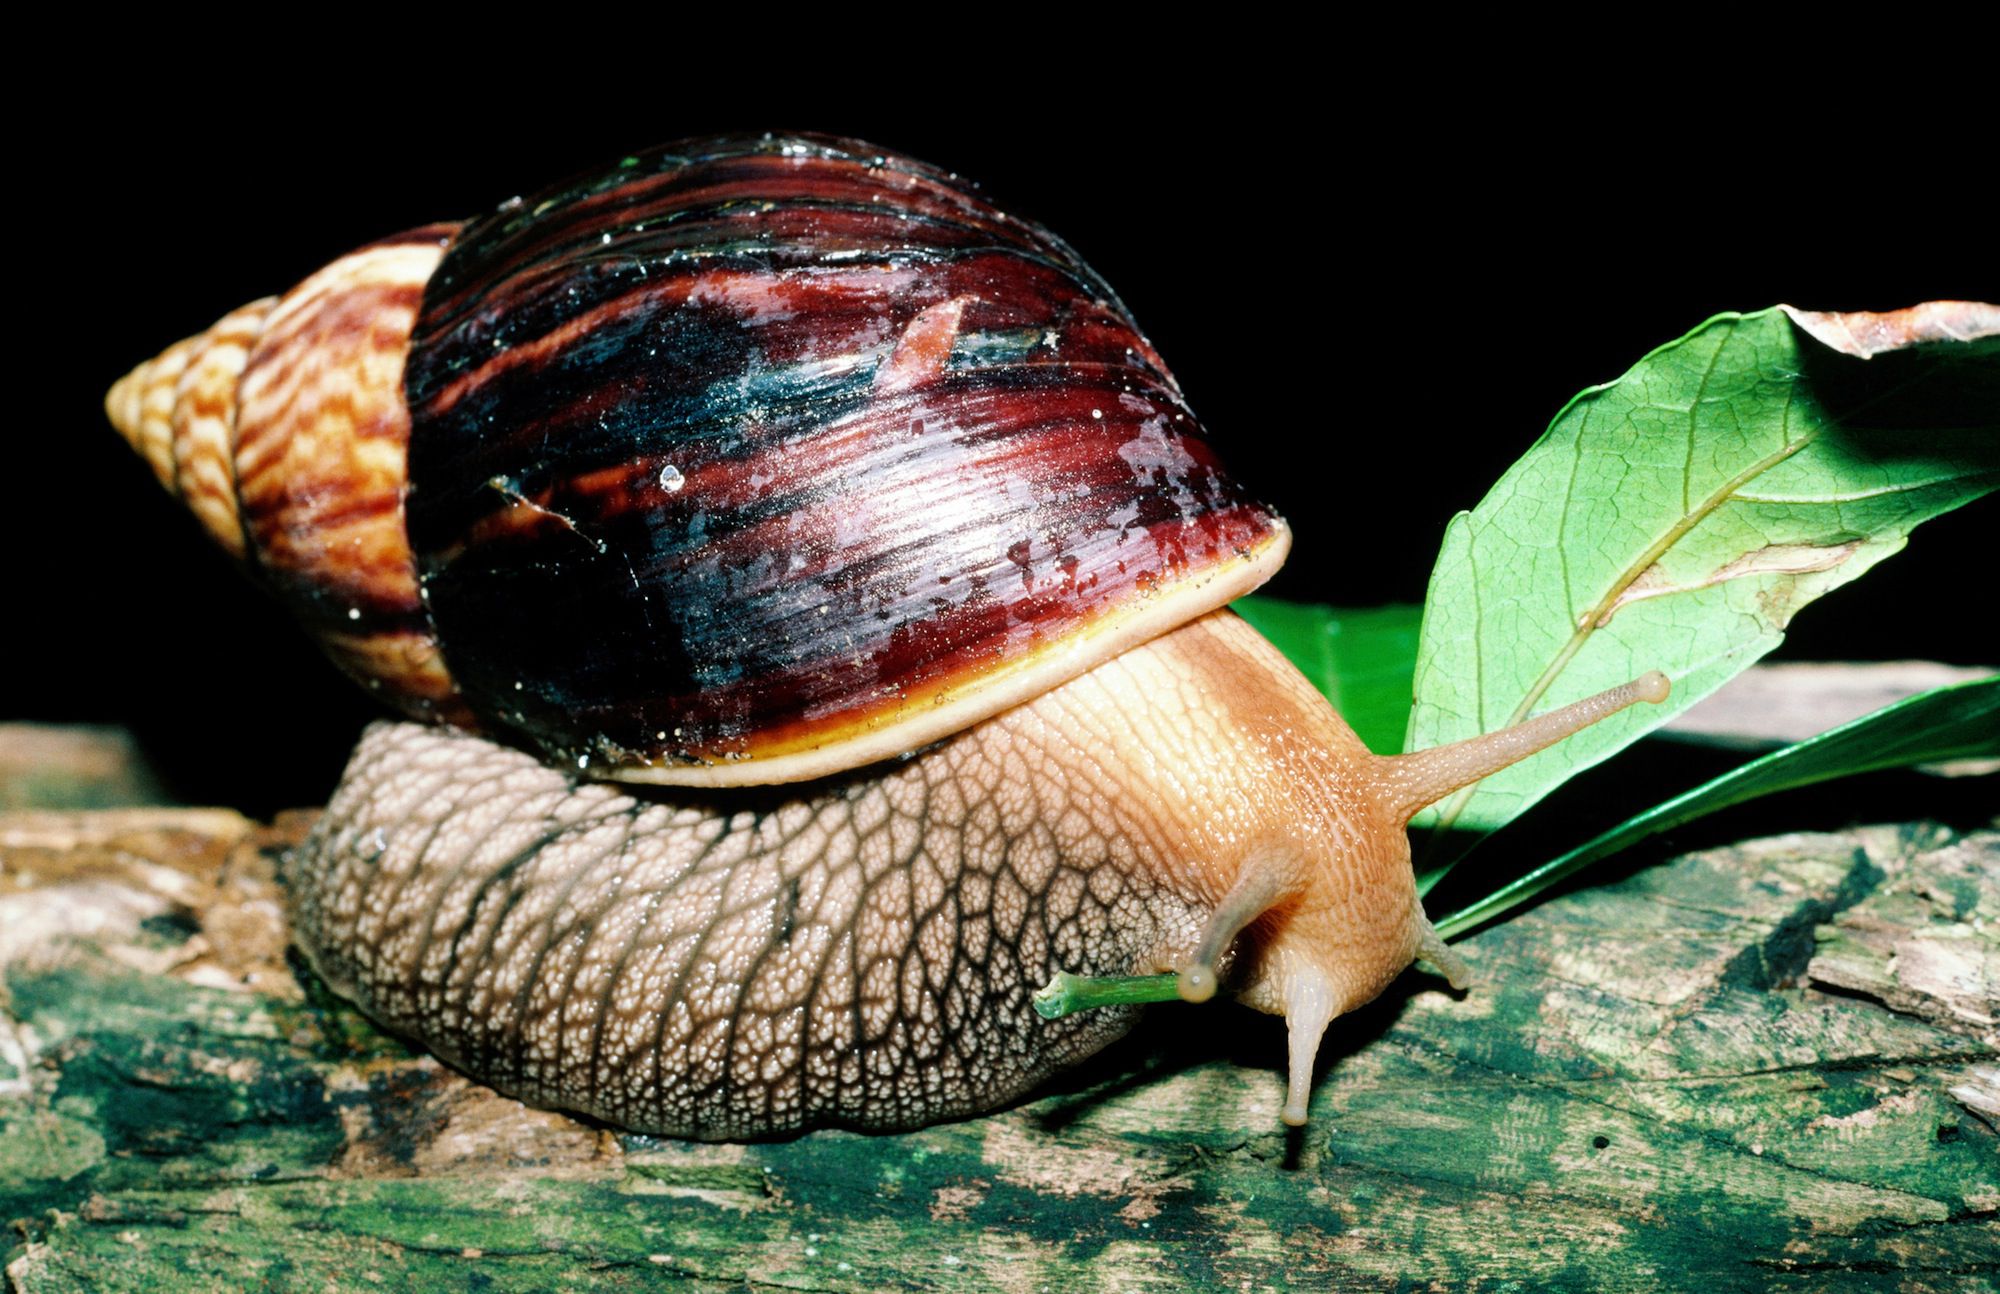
178 410
284 430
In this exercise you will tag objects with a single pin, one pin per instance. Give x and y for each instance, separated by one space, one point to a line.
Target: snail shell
766 460
750 460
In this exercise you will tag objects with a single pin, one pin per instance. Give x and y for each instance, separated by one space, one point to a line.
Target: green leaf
1677 519
1957 722
1359 659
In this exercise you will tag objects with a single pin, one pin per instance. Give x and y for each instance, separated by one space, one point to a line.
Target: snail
806 591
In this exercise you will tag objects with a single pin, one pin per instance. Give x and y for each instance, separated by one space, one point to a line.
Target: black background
1375 302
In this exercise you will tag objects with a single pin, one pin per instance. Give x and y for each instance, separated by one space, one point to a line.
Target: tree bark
1769 1066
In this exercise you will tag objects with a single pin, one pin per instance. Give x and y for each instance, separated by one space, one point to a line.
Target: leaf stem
1957 721
1067 994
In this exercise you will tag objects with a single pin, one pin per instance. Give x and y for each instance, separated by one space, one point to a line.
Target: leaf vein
1478 632
1569 497
1694 415
1861 496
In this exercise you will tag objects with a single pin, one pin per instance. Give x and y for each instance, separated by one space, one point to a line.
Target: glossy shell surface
790 452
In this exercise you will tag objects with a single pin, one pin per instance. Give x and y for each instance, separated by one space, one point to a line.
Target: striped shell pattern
747 460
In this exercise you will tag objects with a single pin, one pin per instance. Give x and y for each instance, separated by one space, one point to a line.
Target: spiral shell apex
284 430
747 460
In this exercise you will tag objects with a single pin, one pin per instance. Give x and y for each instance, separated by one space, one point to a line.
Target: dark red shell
753 447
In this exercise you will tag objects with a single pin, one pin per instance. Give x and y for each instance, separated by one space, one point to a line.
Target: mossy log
1770 1066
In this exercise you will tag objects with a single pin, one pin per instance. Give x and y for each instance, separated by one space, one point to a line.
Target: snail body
858 519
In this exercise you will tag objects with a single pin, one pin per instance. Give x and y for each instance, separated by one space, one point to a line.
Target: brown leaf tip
1867 333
